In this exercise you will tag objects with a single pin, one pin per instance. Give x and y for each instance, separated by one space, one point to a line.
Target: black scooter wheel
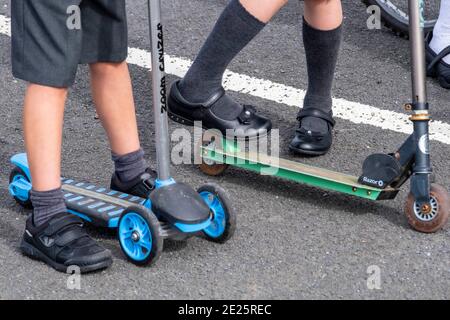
18 173
223 224
139 237
431 217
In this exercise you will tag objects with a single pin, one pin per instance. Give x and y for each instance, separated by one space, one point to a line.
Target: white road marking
348 110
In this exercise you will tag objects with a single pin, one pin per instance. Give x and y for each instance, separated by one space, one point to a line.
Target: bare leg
323 14
43 123
113 98
263 10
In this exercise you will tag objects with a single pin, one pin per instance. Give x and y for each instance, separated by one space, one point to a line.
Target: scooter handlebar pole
159 90
419 92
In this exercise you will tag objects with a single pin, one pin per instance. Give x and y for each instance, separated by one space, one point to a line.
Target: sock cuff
46 195
317 32
129 157
238 9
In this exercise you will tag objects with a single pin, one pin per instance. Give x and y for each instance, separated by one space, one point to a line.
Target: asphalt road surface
292 241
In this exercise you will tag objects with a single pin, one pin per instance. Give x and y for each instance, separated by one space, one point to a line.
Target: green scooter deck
294 171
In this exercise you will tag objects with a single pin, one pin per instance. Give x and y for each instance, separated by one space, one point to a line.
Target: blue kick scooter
173 210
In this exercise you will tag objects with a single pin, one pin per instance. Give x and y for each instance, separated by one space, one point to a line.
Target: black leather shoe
247 125
141 186
436 67
309 142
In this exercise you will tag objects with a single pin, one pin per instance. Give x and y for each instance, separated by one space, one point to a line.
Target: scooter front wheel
223 223
431 217
139 237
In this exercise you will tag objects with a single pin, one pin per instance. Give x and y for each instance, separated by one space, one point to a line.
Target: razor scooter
427 207
173 210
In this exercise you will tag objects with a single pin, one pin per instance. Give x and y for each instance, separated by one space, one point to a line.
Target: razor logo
377 183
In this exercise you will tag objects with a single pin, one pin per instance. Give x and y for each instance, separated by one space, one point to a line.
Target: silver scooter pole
159 90
418 69
420 181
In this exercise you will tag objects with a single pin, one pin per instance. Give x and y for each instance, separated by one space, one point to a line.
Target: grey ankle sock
130 165
322 50
235 28
46 204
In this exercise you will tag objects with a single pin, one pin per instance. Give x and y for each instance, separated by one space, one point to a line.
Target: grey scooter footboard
100 206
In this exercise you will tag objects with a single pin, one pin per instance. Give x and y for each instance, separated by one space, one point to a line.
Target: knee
105 68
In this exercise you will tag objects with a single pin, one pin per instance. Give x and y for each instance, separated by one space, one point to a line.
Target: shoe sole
36 254
187 122
307 152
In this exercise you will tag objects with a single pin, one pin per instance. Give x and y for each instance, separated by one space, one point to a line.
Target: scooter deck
295 171
98 205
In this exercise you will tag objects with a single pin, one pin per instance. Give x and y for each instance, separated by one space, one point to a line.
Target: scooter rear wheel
432 217
139 238
223 225
18 173
210 167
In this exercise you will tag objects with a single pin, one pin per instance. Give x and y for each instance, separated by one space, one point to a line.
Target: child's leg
45 52
43 122
322 39
322 34
113 98
239 23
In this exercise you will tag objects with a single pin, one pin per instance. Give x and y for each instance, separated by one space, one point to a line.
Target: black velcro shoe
312 143
141 186
62 242
436 67
246 126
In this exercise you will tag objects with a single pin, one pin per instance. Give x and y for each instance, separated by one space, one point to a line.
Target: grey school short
51 37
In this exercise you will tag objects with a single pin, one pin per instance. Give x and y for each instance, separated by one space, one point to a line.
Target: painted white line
5 23
352 111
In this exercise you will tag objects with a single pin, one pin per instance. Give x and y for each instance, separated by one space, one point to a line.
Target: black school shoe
247 125
62 242
141 186
312 143
436 67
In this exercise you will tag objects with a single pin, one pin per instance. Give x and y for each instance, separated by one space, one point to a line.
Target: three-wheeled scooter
174 210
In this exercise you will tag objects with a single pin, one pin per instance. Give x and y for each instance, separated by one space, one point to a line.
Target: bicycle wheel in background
394 14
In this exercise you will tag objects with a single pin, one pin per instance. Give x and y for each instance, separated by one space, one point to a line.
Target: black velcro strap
438 58
317 113
64 221
69 236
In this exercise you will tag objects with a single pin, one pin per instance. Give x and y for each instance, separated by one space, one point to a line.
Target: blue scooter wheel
223 224
15 175
139 238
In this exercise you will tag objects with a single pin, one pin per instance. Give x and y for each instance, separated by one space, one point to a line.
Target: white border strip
352 111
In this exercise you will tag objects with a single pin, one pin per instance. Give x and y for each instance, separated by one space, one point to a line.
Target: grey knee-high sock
130 165
322 50
235 28
46 204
